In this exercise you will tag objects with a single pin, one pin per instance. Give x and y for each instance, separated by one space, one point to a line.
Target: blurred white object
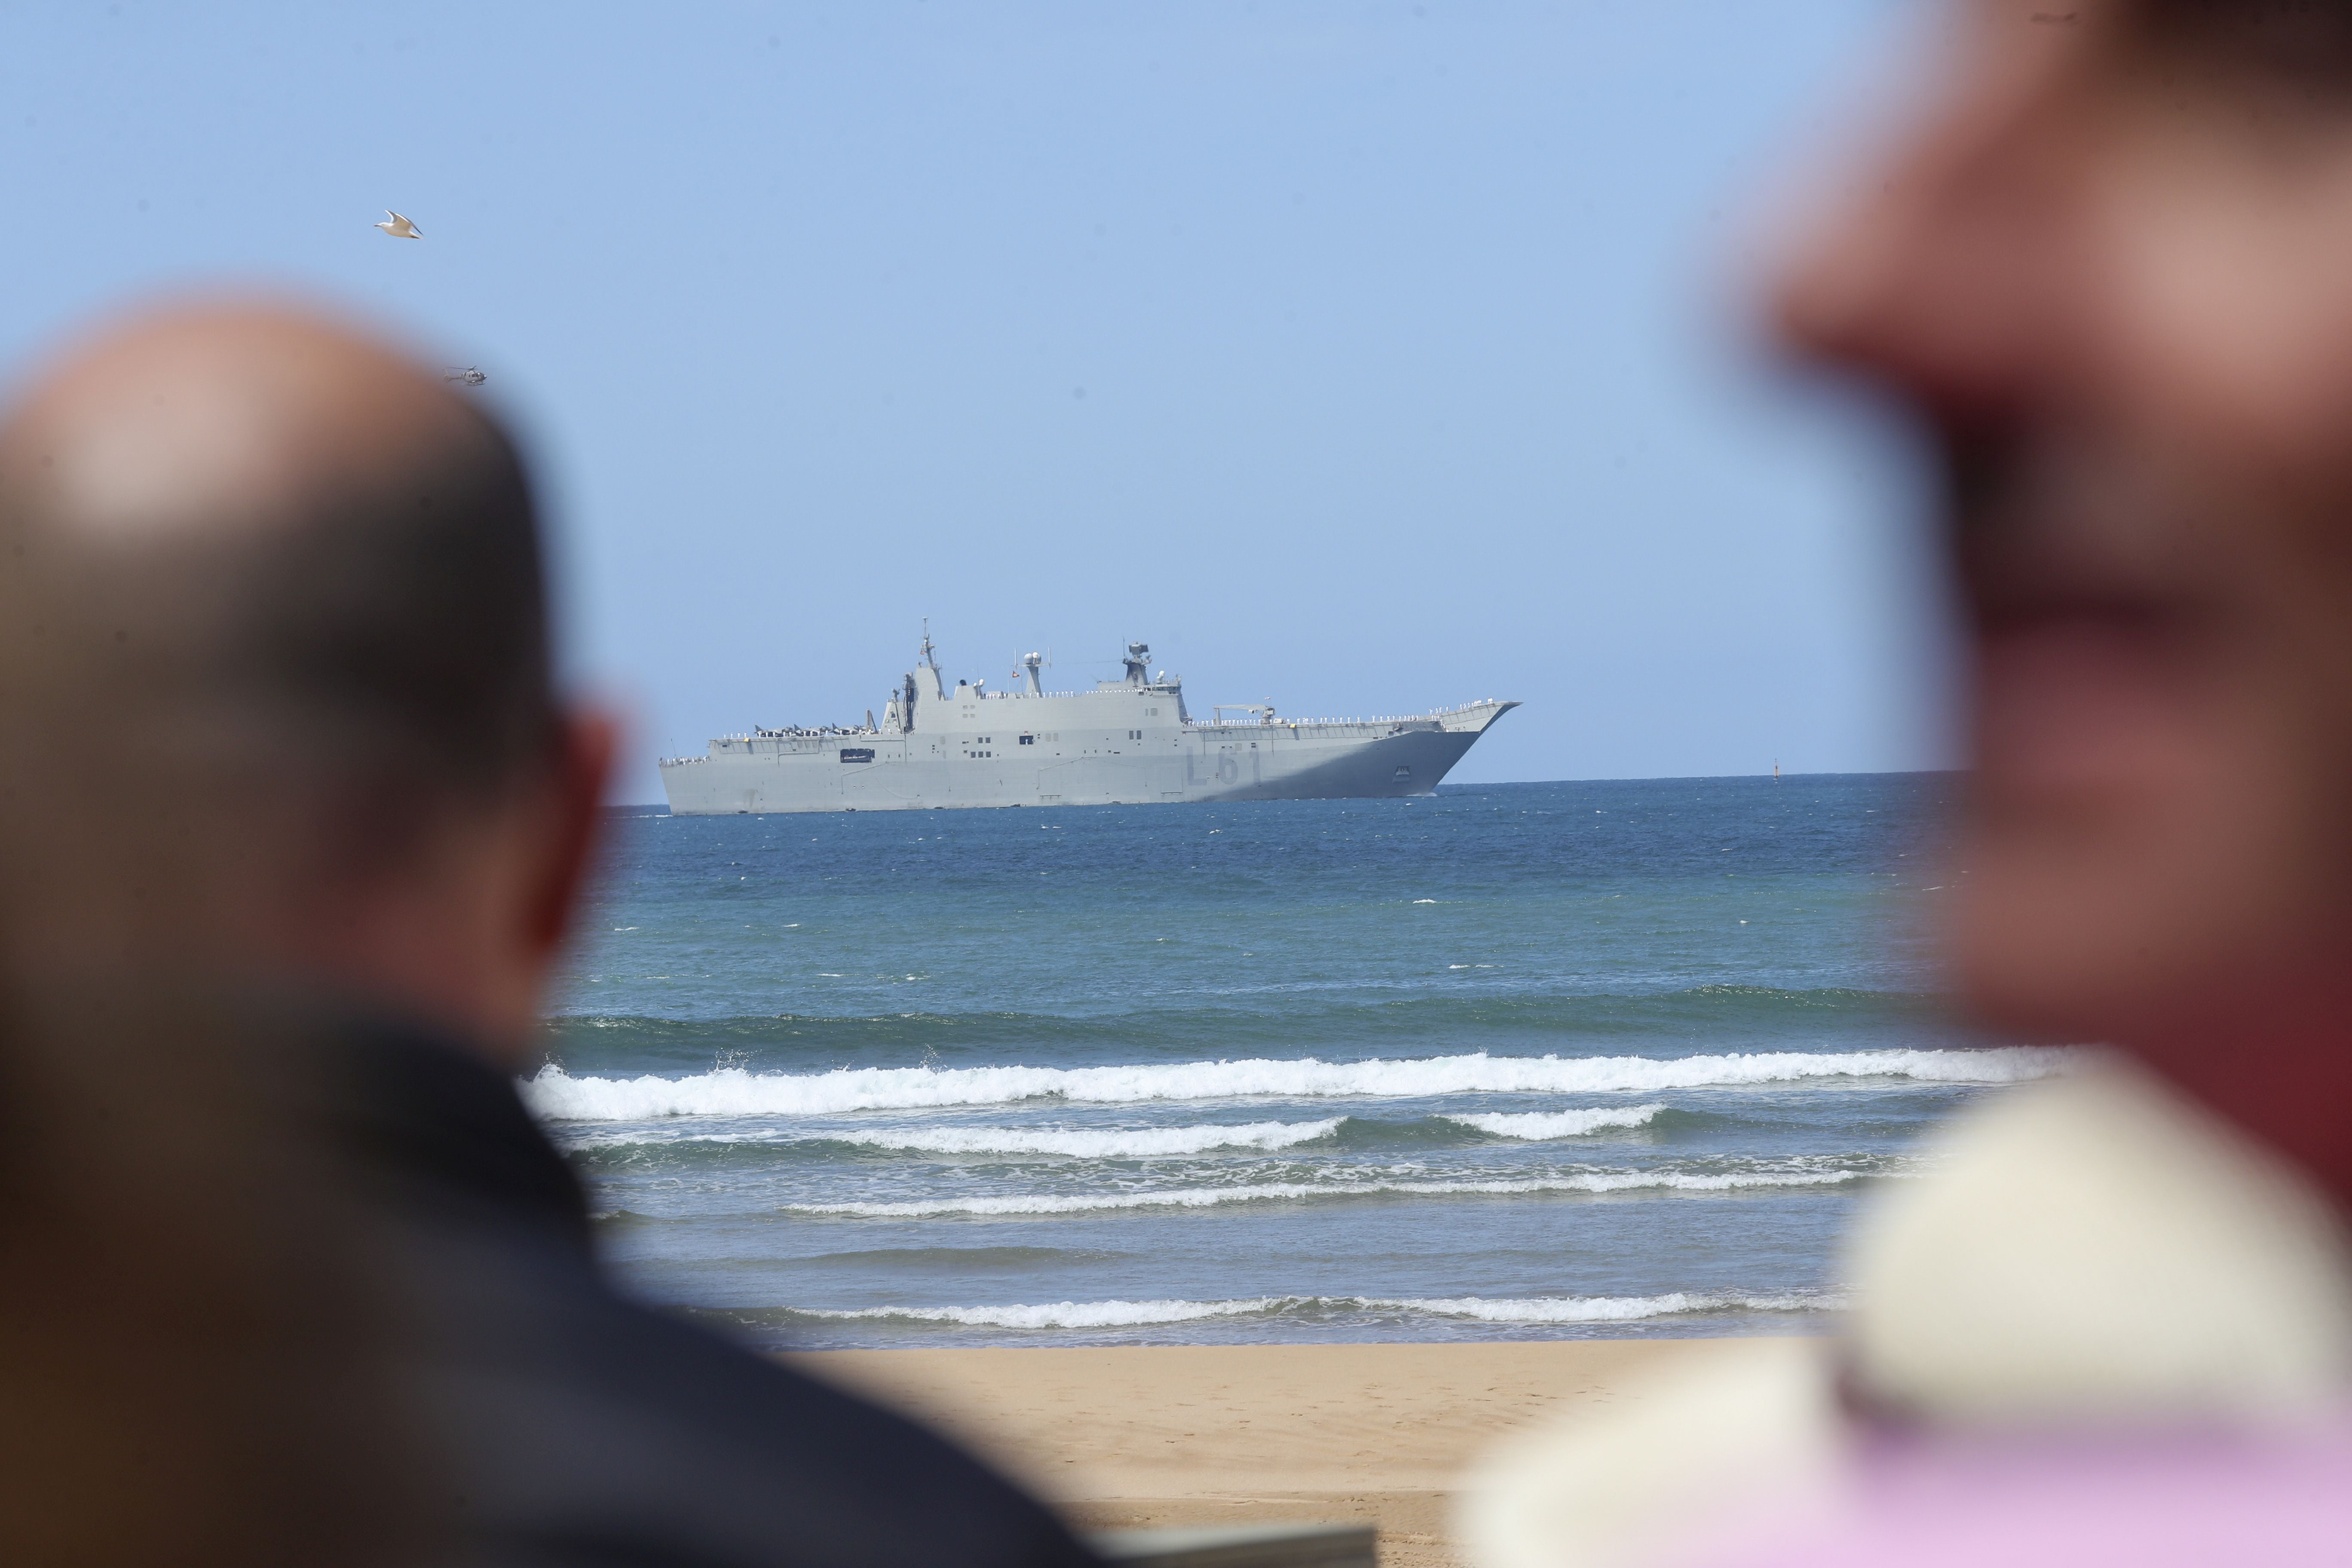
2099 1252
398 226
2087 1257
1750 1431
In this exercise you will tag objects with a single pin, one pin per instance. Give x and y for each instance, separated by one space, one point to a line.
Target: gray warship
1125 742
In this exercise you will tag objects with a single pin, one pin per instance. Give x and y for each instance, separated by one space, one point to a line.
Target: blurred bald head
312 529
274 624
224 420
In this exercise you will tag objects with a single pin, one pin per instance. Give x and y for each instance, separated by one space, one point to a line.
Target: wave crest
732 1091
1596 1182
1541 1124
1524 1309
1093 1144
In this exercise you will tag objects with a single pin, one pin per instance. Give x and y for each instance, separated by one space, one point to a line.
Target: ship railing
1373 722
794 732
1278 723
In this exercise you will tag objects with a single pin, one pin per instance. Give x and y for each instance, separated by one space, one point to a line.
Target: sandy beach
1215 1435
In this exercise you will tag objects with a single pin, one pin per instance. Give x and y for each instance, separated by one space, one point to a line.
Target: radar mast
928 657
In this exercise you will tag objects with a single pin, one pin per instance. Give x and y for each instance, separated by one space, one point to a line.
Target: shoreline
1186 1434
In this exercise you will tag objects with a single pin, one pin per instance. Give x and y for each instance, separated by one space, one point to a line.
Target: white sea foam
1280 1192
1067 1314
1525 1310
1605 1309
1076 1142
1537 1124
1155 1143
732 1091
1095 1143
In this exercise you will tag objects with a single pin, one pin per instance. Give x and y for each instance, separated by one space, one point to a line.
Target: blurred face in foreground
2112 268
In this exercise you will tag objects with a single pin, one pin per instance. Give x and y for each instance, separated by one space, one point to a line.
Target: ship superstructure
1127 742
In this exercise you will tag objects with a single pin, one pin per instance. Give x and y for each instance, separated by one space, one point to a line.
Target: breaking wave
1525 1310
1093 1143
1291 1191
1537 1124
1349 1132
733 1091
1060 1314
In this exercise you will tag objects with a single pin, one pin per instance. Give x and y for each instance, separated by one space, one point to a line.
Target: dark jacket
572 1425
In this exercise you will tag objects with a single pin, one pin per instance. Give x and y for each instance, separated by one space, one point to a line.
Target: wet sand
1235 1434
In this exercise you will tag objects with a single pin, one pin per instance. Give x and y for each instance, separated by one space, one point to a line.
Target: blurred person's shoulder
589 1427
2096 1325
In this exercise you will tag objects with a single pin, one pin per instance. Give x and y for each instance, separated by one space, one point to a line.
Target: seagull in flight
398 226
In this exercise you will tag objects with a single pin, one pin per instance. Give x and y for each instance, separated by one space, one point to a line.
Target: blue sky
1361 357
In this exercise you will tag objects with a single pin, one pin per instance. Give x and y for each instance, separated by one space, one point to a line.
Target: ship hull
1149 764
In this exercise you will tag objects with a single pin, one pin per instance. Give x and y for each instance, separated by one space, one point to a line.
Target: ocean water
1513 1062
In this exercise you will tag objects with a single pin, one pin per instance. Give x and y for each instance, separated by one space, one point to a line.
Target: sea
1512 1061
